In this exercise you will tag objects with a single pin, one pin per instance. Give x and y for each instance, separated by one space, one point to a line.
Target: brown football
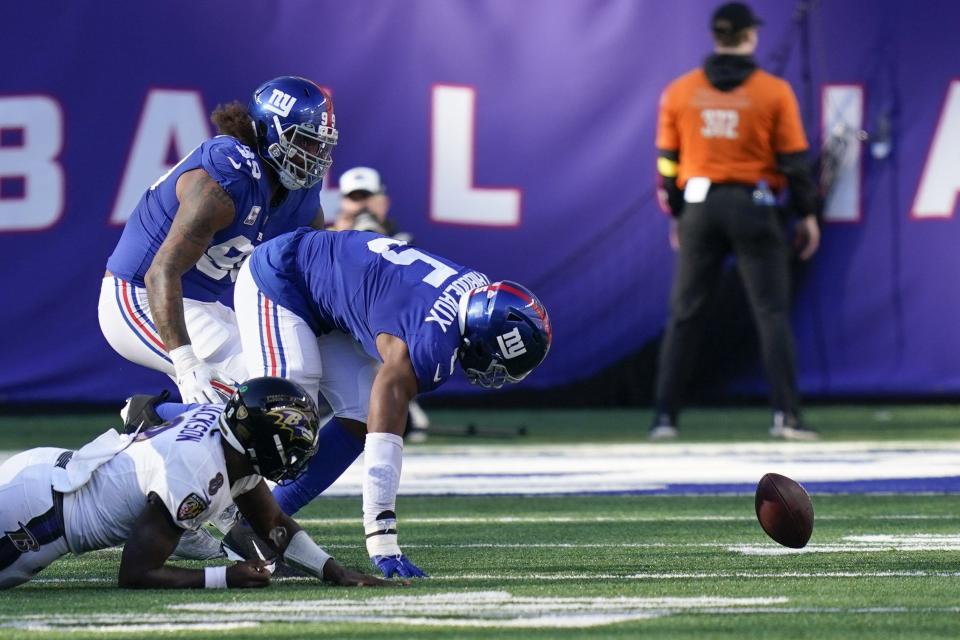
784 510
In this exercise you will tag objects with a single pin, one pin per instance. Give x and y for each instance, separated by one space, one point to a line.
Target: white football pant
128 326
32 526
277 342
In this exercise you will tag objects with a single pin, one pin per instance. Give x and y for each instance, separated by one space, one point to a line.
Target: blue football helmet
295 128
506 333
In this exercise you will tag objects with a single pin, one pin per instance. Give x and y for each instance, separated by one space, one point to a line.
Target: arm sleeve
803 191
170 410
790 144
669 194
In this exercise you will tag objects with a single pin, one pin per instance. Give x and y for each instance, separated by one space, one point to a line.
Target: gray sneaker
663 428
789 427
199 545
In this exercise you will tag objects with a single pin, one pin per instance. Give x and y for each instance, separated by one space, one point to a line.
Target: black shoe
788 426
664 427
140 411
284 570
242 541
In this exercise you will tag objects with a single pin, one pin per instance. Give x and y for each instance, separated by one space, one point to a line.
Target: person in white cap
365 204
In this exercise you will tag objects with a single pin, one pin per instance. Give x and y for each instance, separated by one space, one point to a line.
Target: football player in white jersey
146 489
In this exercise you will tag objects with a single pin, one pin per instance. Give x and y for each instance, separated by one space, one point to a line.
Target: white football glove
198 381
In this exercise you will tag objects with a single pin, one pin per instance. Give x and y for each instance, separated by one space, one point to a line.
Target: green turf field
881 566
840 423
561 559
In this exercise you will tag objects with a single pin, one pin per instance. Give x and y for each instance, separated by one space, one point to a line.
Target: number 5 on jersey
440 274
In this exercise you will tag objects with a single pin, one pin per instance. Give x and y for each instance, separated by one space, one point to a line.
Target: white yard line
519 469
561 577
448 520
477 609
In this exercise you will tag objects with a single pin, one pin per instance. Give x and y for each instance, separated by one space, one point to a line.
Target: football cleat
664 427
789 427
398 565
140 411
242 543
199 545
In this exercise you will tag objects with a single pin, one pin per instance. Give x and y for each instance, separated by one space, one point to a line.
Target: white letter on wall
940 181
31 178
168 114
453 197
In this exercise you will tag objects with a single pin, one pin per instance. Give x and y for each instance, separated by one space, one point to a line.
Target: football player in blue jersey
192 229
370 322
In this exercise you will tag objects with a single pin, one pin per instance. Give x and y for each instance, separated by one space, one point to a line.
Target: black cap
733 17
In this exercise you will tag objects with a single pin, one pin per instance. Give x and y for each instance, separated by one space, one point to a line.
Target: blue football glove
397 565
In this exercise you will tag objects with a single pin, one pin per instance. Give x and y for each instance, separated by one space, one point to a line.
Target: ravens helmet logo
293 421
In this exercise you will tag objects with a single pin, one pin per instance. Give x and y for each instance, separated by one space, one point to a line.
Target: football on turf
784 510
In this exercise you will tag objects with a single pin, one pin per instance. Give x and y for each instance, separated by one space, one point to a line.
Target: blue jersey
236 168
365 284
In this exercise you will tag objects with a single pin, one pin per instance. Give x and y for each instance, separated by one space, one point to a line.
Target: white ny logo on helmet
511 344
280 103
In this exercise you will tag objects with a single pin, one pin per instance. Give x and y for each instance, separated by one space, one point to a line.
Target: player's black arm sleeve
803 191
153 538
667 161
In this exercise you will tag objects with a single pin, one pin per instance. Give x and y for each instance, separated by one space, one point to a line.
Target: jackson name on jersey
181 461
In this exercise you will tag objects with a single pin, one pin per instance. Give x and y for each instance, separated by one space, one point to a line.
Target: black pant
728 222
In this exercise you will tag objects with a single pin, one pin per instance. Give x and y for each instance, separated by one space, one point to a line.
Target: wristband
184 358
215 578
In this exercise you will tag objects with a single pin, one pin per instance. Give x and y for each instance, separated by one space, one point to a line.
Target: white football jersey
181 462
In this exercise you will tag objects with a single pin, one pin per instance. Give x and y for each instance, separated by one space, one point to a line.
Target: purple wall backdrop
565 108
